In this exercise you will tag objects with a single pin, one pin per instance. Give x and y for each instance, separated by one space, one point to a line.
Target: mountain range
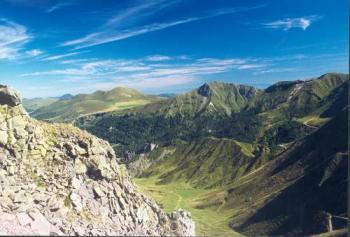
68 108
242 160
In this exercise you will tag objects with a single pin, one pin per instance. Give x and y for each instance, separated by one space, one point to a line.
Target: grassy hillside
213 99
209 221
291 191
288 194
276 116
209 162
257 161
100 101
33 104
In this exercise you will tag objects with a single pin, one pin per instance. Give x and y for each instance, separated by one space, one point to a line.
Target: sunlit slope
274 117
33 104
99 101
283 195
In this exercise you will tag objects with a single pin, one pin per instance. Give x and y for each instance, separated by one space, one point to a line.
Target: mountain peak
9 96
204 90
65 97
282 85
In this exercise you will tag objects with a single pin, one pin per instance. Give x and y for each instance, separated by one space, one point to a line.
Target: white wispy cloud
143 69
109 33
138 12
12 38
289 23
34 52
110 36
60 56
77 61
157 58
60 5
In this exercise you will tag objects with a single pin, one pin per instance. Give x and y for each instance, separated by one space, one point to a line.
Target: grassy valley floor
210 221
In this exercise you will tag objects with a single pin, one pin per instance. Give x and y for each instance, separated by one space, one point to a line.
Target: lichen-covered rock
56 179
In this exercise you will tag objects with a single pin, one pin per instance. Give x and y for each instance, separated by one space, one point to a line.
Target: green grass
210 220
311 120
33 104
117 99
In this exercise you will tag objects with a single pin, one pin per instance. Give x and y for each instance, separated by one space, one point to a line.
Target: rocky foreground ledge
58 180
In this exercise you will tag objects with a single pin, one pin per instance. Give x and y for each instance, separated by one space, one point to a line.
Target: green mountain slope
260 162
33 104
289 194
185 116
207 163
278 115
213 99
298 98
100 101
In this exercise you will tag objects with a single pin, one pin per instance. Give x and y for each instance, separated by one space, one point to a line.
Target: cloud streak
289 23
107 34
60 56
175 70
60 5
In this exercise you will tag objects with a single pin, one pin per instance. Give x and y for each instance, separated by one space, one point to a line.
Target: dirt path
204 103
307 125
179 200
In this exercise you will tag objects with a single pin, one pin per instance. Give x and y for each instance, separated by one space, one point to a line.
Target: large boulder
9 97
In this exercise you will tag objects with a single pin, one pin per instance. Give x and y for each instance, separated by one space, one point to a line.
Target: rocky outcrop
8 96
56 179
204 90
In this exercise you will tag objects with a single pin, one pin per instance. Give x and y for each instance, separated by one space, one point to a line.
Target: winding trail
307 125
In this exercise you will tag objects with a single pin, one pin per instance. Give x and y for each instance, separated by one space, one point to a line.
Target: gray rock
9 97
76 201
23 218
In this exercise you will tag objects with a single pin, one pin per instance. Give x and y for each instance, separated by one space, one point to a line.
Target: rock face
204 90
9 96
58 180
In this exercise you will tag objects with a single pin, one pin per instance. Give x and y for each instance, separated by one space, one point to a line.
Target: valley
209 221
174 118
242 160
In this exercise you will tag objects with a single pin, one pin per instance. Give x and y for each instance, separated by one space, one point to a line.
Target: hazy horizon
174 92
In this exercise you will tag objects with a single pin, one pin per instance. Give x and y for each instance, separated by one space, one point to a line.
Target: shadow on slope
312 178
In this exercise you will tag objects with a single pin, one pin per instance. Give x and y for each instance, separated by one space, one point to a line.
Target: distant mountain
65 97
213 99
274 116
33 104
69 107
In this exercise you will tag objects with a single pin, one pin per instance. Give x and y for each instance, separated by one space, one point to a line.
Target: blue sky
52 47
